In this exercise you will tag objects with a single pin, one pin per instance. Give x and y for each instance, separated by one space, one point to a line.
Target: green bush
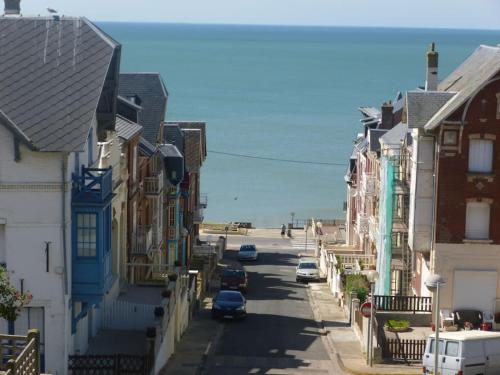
358 284
397 324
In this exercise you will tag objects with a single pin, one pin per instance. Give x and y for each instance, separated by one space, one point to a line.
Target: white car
248 252
307 270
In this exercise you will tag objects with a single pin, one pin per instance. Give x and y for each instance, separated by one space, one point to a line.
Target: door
450 361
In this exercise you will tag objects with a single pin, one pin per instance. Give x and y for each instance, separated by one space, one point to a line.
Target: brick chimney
387 120
12 7
431 82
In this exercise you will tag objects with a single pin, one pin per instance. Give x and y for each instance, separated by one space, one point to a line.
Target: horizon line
298 26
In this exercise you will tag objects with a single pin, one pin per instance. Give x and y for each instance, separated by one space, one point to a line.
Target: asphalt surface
280 334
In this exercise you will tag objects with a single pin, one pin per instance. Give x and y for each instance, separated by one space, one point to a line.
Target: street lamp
433 283
372 277
292 214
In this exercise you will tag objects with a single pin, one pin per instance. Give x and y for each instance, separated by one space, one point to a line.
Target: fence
116 364
403 303
22 353
127 315
403 350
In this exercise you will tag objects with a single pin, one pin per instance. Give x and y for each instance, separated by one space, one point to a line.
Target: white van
464 353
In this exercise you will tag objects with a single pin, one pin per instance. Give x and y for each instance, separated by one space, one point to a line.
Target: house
57 102
454 189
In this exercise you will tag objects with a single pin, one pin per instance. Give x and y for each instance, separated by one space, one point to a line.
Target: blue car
229 304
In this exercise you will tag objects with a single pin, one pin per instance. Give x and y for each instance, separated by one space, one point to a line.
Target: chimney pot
431 82
387 120
12 7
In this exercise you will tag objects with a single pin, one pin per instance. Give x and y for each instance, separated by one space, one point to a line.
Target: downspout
434 202
64 163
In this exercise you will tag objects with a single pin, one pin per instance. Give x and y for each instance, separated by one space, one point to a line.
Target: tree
11 300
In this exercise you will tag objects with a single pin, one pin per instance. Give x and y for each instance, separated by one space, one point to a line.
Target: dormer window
450 138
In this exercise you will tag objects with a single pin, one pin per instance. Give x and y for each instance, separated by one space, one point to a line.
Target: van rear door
428 360
450 362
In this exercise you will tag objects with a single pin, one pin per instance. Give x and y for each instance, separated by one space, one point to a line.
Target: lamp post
227 228
372 277
292 214
433 283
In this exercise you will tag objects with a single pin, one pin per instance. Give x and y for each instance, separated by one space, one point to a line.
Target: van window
451 348
441 344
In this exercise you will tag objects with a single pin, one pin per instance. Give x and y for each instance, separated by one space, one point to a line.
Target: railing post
34 334
11 367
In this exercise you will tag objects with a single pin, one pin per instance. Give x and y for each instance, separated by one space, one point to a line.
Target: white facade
35 214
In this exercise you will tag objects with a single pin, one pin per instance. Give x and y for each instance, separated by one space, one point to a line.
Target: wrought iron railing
403 303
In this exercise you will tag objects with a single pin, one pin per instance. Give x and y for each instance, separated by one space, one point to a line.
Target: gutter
64 159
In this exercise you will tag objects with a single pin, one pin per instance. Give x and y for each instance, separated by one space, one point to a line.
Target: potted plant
397 325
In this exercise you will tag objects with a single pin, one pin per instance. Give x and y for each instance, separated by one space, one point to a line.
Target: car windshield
233 273
247 248
230 297
309 266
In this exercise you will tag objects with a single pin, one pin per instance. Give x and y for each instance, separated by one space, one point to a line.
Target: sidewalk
343 339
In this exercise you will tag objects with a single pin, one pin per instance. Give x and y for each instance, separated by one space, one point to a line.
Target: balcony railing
403 303
203 201
368 184
153 185
22 353
362 223
198 216
144 240
373 229
94 185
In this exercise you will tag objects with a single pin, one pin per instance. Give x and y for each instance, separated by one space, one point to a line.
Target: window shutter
480 155
477 226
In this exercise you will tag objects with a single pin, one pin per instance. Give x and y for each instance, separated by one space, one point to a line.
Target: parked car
307 270
464 352
235 279
229 304
248 252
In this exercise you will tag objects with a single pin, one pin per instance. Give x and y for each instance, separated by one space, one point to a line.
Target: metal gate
117 364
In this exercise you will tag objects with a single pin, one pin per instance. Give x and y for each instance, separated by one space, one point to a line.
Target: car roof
308 260
467 335
230 292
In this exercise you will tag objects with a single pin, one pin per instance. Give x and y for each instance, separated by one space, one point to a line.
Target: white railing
153 185
362 223
368 260
373 229
144 240
203 201
127 315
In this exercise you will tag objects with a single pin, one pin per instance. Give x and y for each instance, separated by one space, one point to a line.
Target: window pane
452 348
477 225
480 155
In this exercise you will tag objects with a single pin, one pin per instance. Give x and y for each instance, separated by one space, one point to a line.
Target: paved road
280 335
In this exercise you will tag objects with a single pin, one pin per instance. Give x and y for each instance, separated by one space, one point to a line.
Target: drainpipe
434 199
64 163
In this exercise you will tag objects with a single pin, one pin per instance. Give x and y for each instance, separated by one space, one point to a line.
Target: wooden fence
116 364
22 353
403 350
403 303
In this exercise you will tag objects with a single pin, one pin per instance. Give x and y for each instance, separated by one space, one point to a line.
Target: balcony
362 224
203 201
373 229
153 185
198 216
144 240
94 185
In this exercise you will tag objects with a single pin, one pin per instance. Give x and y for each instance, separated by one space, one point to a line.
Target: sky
462 14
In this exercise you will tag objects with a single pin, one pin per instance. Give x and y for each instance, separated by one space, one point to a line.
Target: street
280 334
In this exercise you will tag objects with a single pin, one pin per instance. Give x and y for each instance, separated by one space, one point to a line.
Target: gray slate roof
127 129
146 148
478 68
150 89
172 134
169 150
374 139
422 105
51 74
395 136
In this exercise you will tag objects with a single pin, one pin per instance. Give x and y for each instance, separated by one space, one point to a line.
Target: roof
193 149
201 126
467 335
127 129
370 112
422 105
482 65
374 139
169 150
152 94
172 134
396 135
146 148
52 73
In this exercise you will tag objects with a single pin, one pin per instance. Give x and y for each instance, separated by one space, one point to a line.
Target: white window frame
480 155
473 218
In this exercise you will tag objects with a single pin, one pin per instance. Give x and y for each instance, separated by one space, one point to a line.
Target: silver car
307 270
248 252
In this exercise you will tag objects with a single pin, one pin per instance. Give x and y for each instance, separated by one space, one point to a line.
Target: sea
285 93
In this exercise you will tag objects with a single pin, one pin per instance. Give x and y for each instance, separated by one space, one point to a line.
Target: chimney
12 7
387 120
431 83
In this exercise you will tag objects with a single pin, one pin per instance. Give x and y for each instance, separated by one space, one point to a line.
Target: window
432 346
452 348
450 137
86 234
477 223
171 216
480 155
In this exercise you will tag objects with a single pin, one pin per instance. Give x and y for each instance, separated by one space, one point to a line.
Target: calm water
282 92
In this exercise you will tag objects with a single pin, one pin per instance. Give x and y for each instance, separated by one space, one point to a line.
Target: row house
455 205
58 195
